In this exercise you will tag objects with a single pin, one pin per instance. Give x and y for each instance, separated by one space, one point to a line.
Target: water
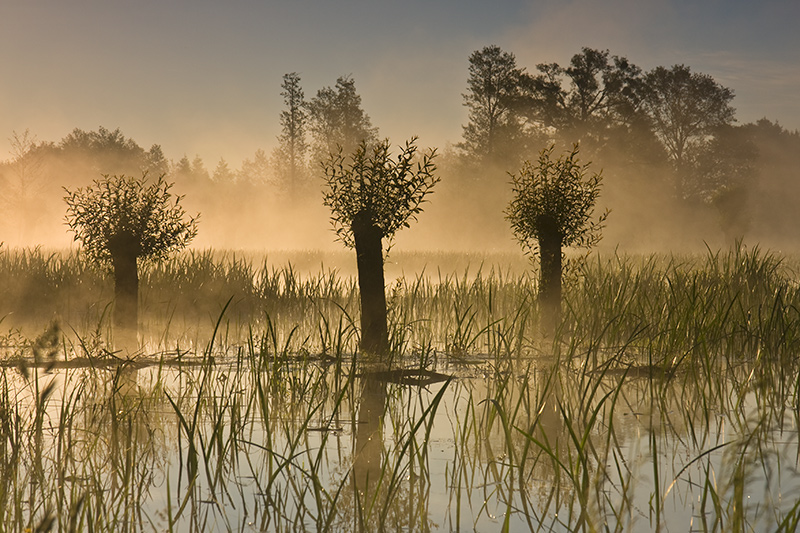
284 445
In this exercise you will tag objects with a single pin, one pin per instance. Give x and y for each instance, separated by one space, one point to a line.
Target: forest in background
678 171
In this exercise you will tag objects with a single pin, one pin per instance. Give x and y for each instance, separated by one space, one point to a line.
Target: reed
667 399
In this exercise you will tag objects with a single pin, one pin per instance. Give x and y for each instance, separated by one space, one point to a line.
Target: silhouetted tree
290 156
776 185
601 97
494 129
605 90
181 172
371 196
104 151
552 207
22 182
124 221
155 162
722 173
223 175
256 171
337 120
199 171
685 109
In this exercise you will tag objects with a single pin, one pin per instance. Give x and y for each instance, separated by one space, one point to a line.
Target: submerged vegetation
667 399
662 392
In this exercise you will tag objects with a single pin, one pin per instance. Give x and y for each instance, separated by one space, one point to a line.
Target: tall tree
104 152
493 89
595 96
775 190
685 109
22 182
337 120
723 174
604 88
290 156
372 195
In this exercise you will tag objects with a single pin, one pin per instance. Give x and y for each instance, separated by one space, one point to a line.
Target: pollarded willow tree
552 207
121 222
371 196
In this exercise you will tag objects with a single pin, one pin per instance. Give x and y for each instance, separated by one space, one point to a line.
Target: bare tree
23 183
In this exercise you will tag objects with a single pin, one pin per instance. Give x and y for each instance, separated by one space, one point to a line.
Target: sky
203 77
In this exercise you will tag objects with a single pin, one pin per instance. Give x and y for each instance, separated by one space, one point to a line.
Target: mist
270 363
740 181
465 212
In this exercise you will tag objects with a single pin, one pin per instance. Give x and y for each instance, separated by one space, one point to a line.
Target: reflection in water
528 447
389 477
367 469
91 456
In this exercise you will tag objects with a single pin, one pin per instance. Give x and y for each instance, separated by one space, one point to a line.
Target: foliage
493 93
289 158
371 184
122 208
223 173
338 120
255 171
602 94
684 107
558 189
104 151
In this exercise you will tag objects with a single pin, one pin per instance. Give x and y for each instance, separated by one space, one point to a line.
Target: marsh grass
669 399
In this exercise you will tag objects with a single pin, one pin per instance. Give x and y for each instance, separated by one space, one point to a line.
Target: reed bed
668 399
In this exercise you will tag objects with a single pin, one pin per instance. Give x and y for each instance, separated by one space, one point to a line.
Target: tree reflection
368 452
390 476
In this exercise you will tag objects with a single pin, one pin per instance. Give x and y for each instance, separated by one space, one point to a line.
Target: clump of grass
671 384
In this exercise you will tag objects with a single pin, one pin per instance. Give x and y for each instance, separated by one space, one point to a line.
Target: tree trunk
369 256
126 298
550 280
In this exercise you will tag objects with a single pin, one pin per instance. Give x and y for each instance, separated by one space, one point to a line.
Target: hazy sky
203 77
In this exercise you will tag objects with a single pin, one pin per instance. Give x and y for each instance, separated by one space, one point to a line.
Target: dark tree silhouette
493 89
552 207
122 221
105 151
596 95
685 108
372 195
336 119
290 155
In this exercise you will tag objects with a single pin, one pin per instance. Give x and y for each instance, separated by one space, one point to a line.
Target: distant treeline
677 167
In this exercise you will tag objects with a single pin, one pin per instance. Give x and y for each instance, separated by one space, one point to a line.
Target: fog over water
203 82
